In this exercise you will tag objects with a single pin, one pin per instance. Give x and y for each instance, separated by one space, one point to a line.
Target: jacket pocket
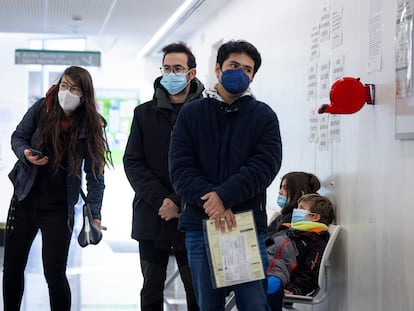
20 177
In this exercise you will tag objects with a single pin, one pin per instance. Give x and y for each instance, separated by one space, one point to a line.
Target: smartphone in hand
37 152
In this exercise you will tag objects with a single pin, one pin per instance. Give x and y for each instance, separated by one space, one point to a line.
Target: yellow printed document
235 255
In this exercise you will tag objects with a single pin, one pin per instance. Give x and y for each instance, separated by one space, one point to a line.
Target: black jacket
277 224
310 246
24 173
146 163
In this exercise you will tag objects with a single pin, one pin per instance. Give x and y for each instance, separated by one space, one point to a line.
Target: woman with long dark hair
58 136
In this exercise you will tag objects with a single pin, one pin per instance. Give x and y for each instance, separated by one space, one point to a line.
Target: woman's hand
35 159
98 223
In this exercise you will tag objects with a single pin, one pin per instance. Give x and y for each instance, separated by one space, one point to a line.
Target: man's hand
227 219
214 208
168 210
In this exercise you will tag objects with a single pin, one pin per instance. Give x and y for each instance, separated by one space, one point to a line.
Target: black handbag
90 233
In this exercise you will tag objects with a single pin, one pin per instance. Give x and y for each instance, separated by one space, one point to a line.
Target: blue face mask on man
174 83
235 81
299 215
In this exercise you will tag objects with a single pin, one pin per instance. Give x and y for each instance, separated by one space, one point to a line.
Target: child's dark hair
238 47
319 205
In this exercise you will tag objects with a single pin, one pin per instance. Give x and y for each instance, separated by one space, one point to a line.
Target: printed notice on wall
313 125
312 81
324 85
315 52
338 67
337 27
375 37
324 132
403 49
324 30
334 128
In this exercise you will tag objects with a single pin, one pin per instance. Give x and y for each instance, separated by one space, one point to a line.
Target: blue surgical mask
174 83
235 81
282 200
299 215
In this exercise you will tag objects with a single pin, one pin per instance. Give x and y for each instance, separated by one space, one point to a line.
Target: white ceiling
127 24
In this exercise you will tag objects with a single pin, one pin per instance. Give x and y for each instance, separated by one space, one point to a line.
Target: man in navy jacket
225 151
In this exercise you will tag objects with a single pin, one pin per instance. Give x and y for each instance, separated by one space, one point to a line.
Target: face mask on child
282 201
299 215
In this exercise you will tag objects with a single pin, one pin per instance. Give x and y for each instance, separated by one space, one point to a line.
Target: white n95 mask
68 101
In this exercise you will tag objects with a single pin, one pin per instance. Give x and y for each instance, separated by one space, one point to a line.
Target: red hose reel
348 95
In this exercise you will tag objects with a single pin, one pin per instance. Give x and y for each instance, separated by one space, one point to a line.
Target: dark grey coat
146 163
23 175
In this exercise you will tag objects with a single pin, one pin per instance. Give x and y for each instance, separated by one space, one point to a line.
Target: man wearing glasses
156 205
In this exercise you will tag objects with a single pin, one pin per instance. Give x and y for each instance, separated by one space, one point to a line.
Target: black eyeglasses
73 89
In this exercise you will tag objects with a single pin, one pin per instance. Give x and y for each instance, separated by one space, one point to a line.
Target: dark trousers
275 300
23 223
154 262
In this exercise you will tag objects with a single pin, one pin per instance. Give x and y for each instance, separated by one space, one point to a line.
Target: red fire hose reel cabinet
348 95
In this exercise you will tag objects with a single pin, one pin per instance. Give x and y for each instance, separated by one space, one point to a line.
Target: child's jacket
295 255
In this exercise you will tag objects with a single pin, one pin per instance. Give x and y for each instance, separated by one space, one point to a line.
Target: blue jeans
249 296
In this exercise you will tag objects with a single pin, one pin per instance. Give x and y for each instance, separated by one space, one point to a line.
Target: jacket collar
212 93
161 94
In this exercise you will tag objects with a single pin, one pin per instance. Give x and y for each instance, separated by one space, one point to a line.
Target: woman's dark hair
84 121
238 47
298 184
180 47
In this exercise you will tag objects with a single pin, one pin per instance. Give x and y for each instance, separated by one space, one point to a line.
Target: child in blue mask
295 253
292 186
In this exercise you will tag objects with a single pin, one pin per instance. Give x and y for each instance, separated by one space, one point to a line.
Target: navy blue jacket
234 150
24 173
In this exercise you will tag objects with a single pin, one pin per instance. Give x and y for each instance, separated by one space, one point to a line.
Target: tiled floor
104 280
106 276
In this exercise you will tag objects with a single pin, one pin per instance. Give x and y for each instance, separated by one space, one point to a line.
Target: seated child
292 186
295 254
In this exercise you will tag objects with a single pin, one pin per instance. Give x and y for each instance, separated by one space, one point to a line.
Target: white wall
368 174
14 92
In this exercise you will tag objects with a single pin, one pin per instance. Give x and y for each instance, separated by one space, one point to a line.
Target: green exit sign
56 57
